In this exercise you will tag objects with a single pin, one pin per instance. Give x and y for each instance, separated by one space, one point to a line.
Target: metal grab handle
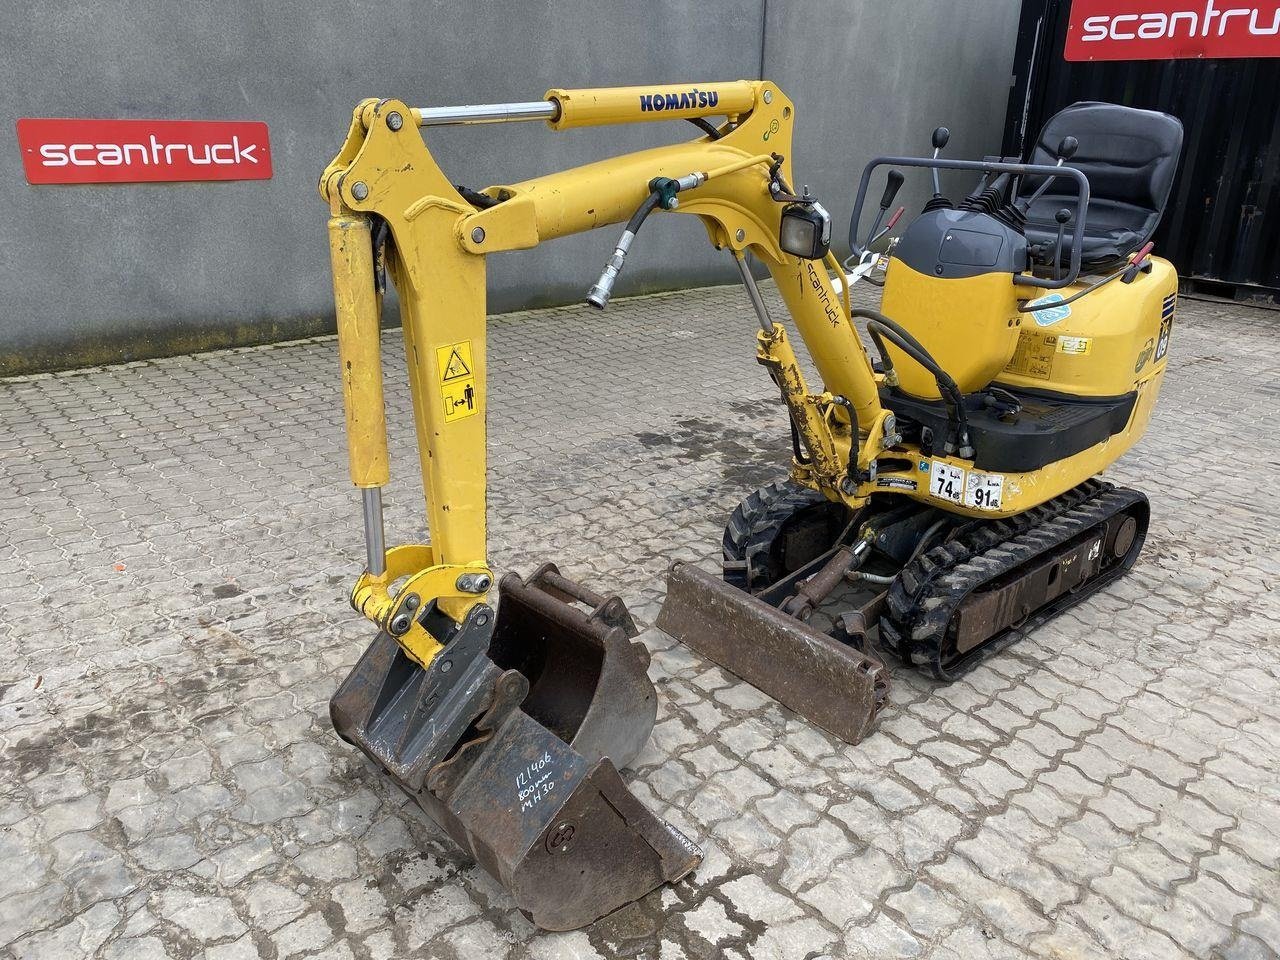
982 166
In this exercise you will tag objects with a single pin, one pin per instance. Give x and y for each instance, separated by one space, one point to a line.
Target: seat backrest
1130 157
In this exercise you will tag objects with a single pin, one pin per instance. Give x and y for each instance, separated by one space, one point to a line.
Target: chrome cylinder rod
487 113
375 538
757 302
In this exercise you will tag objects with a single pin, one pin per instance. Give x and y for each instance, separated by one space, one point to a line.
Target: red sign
141 151
1172 29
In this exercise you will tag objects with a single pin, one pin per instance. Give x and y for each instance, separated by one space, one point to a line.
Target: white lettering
1209 14
1228 14
110 155
244 152
75 149
1153 26
1269 31
1095 28
221 146
142 152
1125 18
55 154
1183 15
201 161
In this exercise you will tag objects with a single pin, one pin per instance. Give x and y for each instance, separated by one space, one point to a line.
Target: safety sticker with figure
457 380
984 490
946 482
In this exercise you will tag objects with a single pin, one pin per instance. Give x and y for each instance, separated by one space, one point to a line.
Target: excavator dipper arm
435 255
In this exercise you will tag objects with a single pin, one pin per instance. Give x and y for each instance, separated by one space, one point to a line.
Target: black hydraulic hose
642 212
706 126
946 386
600 293
879 326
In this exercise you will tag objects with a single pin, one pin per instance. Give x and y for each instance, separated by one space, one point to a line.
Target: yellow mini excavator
944 492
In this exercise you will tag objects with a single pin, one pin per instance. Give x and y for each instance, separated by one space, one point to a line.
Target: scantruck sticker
1172 29
62 150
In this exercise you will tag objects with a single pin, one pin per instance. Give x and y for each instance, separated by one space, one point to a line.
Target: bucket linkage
512 740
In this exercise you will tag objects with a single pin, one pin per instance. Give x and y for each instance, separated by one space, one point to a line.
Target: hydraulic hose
881 328
598 296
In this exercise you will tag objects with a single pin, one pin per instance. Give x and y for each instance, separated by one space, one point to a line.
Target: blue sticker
924 466
1050 315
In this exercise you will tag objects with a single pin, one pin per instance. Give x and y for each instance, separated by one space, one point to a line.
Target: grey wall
103 273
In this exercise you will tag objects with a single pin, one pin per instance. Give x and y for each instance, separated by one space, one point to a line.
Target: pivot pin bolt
474 582
394 120
360 190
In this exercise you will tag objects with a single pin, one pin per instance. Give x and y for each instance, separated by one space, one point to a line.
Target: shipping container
1222 227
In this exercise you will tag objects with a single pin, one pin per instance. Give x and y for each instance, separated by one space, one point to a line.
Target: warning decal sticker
1034 355
457 380
1075 346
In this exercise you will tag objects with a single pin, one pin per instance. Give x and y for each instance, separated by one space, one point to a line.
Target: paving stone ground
179 536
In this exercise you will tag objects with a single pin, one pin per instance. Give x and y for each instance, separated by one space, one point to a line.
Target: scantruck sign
57 150
1172 29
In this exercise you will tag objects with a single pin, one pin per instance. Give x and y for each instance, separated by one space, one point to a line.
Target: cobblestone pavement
178 538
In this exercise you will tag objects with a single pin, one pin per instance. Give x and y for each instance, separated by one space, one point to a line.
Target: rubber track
926 594
755 524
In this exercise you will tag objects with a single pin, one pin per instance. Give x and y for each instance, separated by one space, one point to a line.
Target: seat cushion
1130 157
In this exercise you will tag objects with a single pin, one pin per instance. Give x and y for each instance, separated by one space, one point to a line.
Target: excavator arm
393 209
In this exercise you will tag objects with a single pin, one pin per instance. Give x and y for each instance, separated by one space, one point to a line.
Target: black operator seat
1130 157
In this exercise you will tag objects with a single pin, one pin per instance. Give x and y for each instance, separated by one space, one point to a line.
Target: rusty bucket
512 740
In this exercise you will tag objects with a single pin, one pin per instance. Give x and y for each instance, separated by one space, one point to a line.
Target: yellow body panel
970 326
1103 345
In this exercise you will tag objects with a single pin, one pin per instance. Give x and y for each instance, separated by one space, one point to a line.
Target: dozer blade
512 740
827 682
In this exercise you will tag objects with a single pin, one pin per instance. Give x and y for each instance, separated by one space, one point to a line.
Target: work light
805 230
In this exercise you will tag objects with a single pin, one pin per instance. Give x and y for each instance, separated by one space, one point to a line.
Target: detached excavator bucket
512 740
829 683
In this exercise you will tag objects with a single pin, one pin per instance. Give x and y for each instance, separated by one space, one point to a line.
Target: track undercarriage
942 592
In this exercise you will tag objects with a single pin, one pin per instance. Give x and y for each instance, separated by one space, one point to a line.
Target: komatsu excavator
943 492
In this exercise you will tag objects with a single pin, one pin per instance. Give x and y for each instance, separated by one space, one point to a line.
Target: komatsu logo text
692 100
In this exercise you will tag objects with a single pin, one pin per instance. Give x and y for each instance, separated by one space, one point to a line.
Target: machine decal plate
947 482
1050 314
457 380
897 483
1075 346
984 491
1033 356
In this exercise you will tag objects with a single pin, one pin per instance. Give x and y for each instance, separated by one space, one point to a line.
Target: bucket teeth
512 739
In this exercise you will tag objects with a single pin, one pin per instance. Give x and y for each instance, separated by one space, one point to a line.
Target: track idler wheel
512 740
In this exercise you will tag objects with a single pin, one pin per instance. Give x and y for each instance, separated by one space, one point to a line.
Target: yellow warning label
1033 356
1075 346
454 360
457 380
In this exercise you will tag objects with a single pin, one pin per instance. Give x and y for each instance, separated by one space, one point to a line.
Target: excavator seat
1130 157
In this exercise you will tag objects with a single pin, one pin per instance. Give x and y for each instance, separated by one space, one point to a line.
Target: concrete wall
104 273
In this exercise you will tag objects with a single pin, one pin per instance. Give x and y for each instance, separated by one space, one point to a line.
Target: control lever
1063 217
941 136
892 185
1066 150
1141 261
